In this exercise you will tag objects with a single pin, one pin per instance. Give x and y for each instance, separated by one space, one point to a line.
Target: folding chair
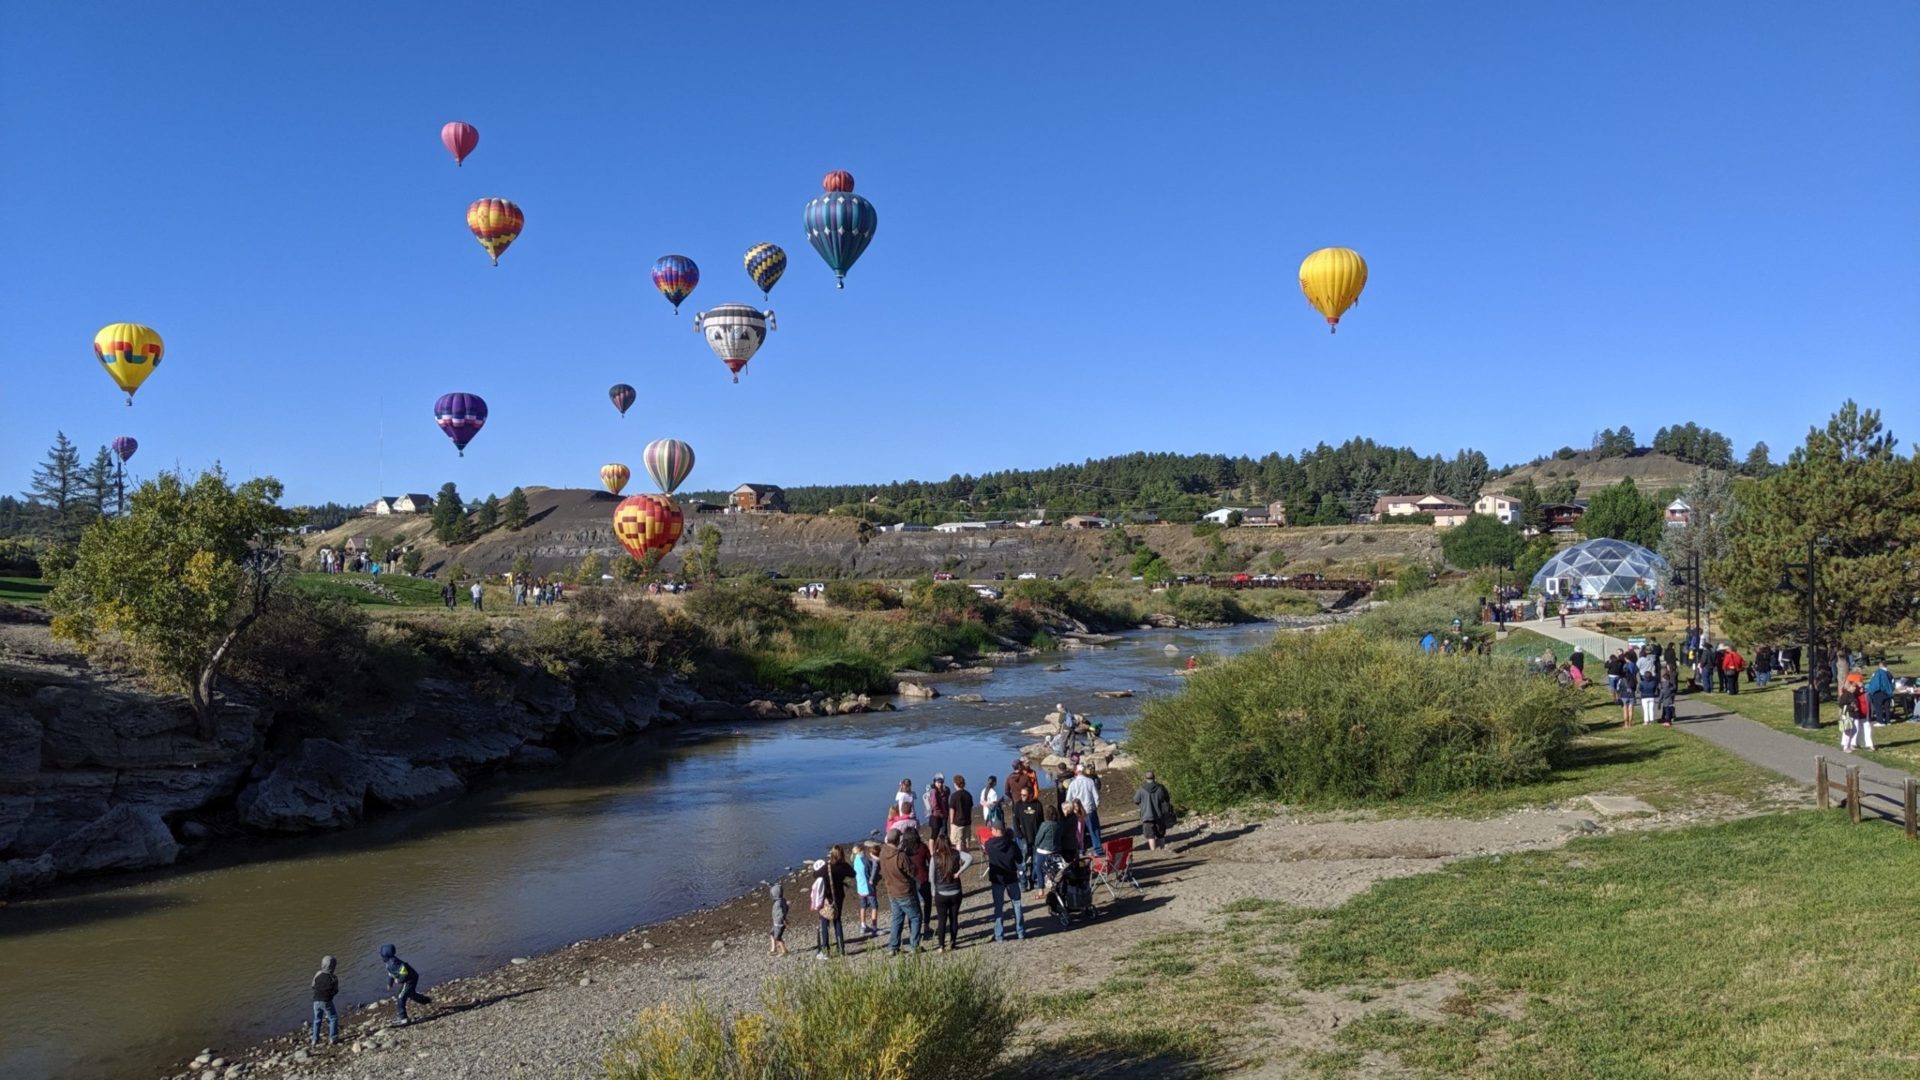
1115 865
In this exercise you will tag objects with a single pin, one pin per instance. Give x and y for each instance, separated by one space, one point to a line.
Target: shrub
1202 604
1410 617
893 1021
861 596
1343 718
1204 529
742 613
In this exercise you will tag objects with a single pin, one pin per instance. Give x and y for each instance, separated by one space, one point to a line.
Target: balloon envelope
734 332
461 416
459 139
676 276
765 264
495 223
647 523
622 397
1332 279
129 352
668 461
124 447
614 476
840 224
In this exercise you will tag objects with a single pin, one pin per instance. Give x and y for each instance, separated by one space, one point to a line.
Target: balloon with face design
734 332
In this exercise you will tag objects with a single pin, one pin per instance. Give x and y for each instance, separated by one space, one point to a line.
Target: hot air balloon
765 264
461 416
124 447
668 461
676 277
1332 279
734 332
495 223
129 352
614 476
460 139
840 224
646 523
622 397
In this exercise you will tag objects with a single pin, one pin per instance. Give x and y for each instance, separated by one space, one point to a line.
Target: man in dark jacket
401 976
1156 811
903 891
1003 876
325 986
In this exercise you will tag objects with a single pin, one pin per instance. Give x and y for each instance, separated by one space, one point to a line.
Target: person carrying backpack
402 976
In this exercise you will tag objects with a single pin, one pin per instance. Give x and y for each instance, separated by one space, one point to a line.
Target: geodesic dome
1597 568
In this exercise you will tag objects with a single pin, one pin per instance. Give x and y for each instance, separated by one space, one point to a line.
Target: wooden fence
1849 788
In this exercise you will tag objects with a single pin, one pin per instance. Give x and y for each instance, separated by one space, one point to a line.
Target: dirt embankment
567 524
1650 473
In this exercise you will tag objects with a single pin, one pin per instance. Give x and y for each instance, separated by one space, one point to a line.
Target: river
116 978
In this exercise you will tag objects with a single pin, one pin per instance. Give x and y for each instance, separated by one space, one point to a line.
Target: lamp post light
1812 719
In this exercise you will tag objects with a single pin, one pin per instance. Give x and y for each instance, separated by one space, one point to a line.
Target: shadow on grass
1112 1053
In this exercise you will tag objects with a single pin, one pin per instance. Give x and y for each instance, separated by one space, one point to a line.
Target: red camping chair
1115 865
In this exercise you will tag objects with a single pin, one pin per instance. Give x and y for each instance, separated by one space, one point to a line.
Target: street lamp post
1813 669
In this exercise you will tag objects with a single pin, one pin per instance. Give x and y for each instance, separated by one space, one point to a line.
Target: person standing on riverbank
828 900
1003 877
960 814
936 802
866 883
903 896
946 865
991 812
325 986
402 976
1085 790
1156 811
777 943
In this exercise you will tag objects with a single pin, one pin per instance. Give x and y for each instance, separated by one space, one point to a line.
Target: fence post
1820 780
1913 809
1853 793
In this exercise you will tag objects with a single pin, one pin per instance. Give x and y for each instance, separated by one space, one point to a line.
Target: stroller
1070 891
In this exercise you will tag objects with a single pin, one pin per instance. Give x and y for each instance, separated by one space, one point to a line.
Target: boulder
123 838
396 782
916 690
20 875
967 699
322 786
1113 693
768 710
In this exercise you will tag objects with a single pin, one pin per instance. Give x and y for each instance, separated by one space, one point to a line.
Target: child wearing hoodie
402 976
325 986
777 940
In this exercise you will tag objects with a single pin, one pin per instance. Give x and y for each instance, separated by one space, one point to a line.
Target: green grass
23 590
1735 950
413 592
1896 745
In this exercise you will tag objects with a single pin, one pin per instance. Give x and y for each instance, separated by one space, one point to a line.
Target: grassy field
394 590
20 590
1896 745
1724 951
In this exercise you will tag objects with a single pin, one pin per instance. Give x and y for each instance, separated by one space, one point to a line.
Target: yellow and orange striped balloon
495 223
614 476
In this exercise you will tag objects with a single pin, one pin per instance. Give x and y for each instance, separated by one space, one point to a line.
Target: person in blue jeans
403 977
1003 876
903 892
325 986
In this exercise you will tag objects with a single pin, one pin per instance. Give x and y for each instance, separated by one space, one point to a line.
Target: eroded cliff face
99 774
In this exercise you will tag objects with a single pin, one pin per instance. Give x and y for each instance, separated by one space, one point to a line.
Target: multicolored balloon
840 224
124 447
461 416
1332 279
495 223
676 277
622 397
614 476
129 352
459 139
668 461
734 332
765 264
647 523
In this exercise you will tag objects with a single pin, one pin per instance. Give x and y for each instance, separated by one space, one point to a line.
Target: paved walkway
1882 789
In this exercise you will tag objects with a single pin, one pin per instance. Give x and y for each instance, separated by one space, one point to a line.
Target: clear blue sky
1577 216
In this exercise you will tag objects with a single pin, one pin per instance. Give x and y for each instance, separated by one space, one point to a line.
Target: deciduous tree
1481 541
1621 512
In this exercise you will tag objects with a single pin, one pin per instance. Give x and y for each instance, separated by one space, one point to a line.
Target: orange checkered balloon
647 523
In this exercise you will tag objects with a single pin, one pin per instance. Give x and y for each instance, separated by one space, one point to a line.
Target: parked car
987 591
1000 575
1027 575
943 576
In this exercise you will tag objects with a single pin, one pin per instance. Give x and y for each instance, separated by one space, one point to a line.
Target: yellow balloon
1332 279
615 476
129 352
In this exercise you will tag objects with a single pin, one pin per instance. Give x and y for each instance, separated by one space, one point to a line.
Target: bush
1428 610
19 558
1205 605
1343 718
893 1021
742 613
861 596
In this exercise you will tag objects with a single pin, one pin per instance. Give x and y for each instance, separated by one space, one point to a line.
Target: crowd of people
1026 835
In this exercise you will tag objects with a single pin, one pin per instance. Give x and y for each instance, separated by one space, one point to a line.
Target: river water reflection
113 981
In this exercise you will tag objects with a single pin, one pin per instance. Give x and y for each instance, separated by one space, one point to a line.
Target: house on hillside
381 505
1087 521
1679 512
760 497
1504 507
1224 514
1276 513
401 504
968 526
1447 511
1562 517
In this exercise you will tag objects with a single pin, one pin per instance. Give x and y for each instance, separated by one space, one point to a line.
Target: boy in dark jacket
402 976
325 986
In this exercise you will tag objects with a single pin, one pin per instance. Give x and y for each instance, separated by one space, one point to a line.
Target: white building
1220 516
1505 508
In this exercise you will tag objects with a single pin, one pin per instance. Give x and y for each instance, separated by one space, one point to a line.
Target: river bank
554 1014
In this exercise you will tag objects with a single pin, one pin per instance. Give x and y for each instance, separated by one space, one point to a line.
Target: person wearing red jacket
1732 664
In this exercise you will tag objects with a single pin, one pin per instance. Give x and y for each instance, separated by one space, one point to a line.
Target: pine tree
58 482
514 513
100 484
1759 462
449 515
1621 512
489 513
